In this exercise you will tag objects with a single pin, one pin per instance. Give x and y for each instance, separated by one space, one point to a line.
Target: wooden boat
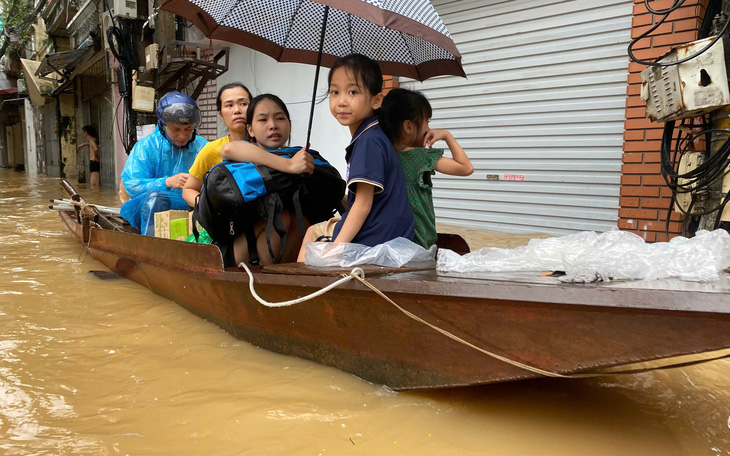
548 327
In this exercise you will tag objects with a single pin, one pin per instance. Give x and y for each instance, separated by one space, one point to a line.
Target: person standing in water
92 142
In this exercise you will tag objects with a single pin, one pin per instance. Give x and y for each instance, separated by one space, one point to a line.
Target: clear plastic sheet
394 253
590 257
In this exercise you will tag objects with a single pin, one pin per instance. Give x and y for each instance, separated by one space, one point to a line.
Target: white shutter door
544 101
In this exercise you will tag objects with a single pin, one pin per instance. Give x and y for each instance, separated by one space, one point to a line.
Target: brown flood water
105 367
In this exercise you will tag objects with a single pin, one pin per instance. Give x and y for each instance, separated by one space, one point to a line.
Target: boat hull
565 329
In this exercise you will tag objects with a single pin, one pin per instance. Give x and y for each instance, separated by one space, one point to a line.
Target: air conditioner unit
125 8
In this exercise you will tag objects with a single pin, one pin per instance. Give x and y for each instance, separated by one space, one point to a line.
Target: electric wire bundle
120 41
700 181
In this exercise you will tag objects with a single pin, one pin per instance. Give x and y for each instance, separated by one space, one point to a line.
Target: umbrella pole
316 76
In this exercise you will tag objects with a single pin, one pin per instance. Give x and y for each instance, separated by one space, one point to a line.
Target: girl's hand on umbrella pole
301 162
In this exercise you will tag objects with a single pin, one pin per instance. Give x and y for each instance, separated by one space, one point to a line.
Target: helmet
179 108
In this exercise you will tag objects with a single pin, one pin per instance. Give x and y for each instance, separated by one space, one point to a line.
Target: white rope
357 272
456 338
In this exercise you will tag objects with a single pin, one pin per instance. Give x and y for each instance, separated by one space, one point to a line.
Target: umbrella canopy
406 37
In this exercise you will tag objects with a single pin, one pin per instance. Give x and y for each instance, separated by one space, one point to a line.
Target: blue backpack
236 195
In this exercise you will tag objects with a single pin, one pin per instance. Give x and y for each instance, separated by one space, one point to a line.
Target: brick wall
206 102
389 82
645 196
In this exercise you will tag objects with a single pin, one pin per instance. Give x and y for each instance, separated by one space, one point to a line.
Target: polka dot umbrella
406 37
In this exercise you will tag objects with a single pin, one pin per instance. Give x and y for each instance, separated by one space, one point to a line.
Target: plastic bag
395 253
588 256
203 238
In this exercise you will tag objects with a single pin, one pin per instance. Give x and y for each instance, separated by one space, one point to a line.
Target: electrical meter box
695 87
125 8
150 56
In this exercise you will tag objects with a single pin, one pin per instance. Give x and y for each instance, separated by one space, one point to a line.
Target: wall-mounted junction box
125 8
692 88
150 56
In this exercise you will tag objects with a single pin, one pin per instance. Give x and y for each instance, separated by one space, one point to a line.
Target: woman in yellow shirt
232 102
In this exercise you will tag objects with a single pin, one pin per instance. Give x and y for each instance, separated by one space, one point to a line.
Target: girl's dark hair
401 105
364 70
91 131
257 100
232 85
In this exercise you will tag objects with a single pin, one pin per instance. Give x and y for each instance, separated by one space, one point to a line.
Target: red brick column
645 196
207 103
209 112
389 82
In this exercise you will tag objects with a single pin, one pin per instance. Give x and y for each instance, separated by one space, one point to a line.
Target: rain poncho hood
152 160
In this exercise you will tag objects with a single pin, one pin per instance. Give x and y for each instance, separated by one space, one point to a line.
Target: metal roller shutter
545 102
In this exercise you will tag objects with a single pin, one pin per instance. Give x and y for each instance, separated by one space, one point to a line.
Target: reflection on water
105 367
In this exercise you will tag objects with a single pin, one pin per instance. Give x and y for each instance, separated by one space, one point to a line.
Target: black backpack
236 195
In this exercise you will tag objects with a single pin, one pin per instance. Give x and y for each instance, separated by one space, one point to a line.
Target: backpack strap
296 200
253 254
196 216
274 208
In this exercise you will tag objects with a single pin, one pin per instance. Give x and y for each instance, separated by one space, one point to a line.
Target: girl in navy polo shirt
377 196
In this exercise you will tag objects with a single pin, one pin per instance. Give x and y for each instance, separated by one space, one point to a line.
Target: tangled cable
665 13
119 37
700 180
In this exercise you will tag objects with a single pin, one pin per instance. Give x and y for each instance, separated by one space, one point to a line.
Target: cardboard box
172 224
200 228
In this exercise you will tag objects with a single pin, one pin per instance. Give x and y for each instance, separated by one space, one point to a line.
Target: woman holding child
268 126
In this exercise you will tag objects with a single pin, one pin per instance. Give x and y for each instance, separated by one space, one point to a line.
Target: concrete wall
29 136
67 133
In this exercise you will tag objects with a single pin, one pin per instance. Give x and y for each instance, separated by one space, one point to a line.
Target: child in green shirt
404 118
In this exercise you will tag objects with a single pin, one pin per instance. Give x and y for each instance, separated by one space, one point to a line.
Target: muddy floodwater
92 366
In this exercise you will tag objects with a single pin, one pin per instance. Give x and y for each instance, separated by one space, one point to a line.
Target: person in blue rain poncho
157 167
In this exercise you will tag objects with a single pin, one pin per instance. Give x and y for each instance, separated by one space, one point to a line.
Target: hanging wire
665 14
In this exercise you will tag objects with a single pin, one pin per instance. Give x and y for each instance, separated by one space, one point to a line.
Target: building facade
549 113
